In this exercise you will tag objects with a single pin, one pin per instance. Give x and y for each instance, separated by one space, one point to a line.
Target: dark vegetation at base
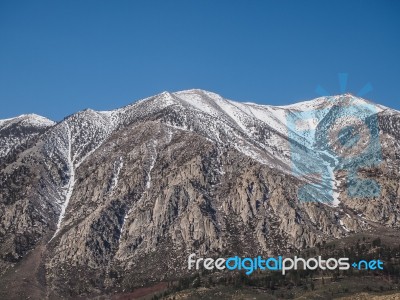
329 283
260 285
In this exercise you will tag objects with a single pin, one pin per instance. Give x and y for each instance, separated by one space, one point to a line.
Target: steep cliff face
19 229
124 196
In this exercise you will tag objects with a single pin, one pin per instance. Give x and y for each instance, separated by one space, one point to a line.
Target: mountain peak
28 119
184 172
329 101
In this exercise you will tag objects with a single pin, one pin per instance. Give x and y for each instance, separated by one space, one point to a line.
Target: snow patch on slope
116 170
153 157
71 183
152 162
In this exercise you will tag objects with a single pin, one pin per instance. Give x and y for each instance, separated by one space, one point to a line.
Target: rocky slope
122 197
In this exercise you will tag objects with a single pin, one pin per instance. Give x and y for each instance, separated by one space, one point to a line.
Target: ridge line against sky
233 100
57 58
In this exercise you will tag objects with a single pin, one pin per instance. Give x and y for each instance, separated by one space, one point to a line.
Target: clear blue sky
59 57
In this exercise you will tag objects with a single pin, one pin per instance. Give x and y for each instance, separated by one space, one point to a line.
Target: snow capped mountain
19 130
27 120
109 192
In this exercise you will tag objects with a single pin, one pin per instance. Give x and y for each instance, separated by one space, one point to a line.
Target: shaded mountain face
124 196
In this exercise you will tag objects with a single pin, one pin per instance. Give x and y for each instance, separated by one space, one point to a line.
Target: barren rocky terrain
108 201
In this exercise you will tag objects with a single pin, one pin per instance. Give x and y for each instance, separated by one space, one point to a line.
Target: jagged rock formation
122 197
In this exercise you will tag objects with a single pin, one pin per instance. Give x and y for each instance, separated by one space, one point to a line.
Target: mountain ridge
110 193
194 90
